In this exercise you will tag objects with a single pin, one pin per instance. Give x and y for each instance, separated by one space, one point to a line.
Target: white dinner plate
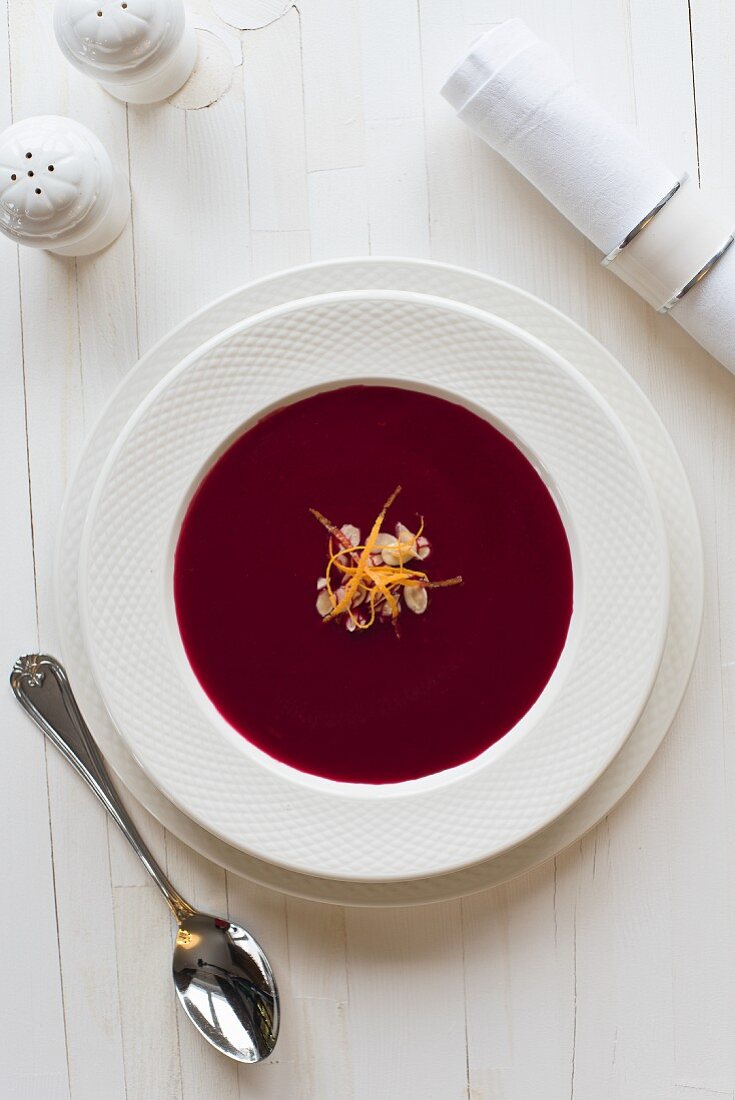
652 441
523 782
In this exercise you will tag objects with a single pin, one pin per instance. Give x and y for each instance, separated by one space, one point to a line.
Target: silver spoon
221 975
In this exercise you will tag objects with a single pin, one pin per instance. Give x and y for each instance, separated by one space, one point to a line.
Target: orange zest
365 577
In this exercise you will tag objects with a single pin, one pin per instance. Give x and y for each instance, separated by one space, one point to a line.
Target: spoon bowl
226 987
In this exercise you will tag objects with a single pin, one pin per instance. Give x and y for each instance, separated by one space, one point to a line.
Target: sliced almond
356 620
351 533
423 547
392 555
417 599
402 548
324 603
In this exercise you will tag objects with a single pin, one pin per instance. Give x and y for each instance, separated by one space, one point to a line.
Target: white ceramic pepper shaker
58 187
140 51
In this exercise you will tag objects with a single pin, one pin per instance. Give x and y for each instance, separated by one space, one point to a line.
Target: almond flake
417 599
324 603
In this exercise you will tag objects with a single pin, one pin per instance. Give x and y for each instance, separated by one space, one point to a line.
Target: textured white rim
521 789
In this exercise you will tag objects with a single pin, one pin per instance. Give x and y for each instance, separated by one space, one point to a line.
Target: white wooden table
607 974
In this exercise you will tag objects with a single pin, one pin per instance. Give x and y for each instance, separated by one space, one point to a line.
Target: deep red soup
372 707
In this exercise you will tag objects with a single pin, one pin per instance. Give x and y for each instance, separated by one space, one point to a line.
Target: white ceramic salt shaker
140 51
58 187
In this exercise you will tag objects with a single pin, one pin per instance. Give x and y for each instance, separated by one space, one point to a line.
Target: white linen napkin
518 95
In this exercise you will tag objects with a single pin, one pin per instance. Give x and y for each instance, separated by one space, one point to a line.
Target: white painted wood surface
607 974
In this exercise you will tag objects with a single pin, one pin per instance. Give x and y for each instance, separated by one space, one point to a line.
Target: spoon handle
42 688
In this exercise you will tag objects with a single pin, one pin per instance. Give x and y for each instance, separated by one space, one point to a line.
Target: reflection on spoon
225 984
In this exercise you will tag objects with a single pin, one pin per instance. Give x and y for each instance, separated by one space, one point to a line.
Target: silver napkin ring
607 260
704 271
682 234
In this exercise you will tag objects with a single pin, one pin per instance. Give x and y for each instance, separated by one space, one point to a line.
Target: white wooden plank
519 975
34 1063
275 251
397 189
320 986
275 125
551 23
713 30
190 211
623 1038
332 89
338 213
395 152
452 225
406 985
151 1016
250 14
391 59
36 1070
697 787
713 43
660 48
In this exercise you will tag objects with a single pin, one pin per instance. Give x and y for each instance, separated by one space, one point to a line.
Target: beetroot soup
381 676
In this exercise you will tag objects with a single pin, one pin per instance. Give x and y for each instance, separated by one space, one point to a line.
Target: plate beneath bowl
539 769
651 439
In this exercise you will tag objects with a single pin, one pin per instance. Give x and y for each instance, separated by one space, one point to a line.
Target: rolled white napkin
517 94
